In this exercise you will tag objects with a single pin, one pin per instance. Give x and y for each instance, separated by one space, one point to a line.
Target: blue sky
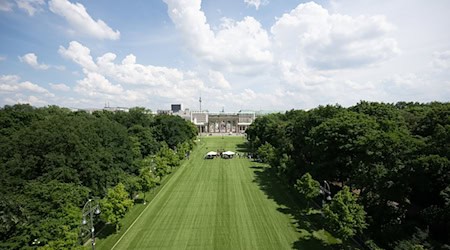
237 54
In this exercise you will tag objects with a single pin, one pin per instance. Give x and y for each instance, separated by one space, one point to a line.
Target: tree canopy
52 160
395 156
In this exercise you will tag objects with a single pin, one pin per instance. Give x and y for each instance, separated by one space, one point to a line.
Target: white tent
228 154
211 155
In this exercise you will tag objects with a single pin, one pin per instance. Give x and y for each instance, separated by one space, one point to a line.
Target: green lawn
211 204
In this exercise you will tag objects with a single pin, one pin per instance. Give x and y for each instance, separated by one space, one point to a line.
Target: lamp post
90 209
325 191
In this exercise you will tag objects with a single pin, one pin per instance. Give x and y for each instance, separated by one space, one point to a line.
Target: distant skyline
237 54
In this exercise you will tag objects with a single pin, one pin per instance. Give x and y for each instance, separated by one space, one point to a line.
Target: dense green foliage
115 205
394 158
52 160
344 216
308 187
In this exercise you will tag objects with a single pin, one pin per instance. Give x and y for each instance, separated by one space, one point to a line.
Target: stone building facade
222 122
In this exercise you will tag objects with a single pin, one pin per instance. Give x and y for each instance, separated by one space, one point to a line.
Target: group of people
244 155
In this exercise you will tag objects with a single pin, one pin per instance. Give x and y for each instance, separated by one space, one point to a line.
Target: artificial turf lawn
212 204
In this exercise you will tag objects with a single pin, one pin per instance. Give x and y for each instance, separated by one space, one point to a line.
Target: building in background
164 112
215 122
175 108
222 122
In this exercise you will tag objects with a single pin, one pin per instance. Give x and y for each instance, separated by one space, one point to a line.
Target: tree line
387 165
53 160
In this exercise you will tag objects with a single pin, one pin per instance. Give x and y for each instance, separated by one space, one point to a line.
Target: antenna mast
200 101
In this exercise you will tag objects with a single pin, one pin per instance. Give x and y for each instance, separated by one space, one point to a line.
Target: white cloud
255 3
298 59
244 98
60 87
308 36
12 84
32 60
217 79
128 80
79 54
2 58
30 6
308 57
441 60
320 40
32 100
6 5
32 87
133 73
95 83
77 16
232 46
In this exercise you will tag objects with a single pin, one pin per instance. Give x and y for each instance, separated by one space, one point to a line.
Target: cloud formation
78 17
5 5
30 6
232 47
307 38
32 60
79 54
303 50
441 60
60 87
12 84
129 80
254 3
327 41
217 79
310 54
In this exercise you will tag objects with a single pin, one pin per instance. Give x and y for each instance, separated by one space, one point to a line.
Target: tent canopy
212 153
228 153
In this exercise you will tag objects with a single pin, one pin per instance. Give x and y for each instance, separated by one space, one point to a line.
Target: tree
115 205
183 150
147 179
49 212
267 153
344 216
308 187
132 185
147 143
173 130
51 158
168 155
338 145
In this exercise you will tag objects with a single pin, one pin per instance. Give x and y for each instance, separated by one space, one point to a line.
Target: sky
235 54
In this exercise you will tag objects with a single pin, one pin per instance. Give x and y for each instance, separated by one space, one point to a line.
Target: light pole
325 191
90 209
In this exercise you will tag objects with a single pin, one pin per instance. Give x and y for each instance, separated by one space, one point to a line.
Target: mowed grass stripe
212 204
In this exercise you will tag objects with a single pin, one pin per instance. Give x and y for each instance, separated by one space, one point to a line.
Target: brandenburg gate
222 122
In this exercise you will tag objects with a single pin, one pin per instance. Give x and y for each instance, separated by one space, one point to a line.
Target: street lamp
325 191
90 209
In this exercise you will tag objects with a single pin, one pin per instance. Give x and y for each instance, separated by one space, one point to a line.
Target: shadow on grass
307 222
242 147
106 230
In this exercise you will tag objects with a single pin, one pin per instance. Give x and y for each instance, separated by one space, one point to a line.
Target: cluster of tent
225 155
